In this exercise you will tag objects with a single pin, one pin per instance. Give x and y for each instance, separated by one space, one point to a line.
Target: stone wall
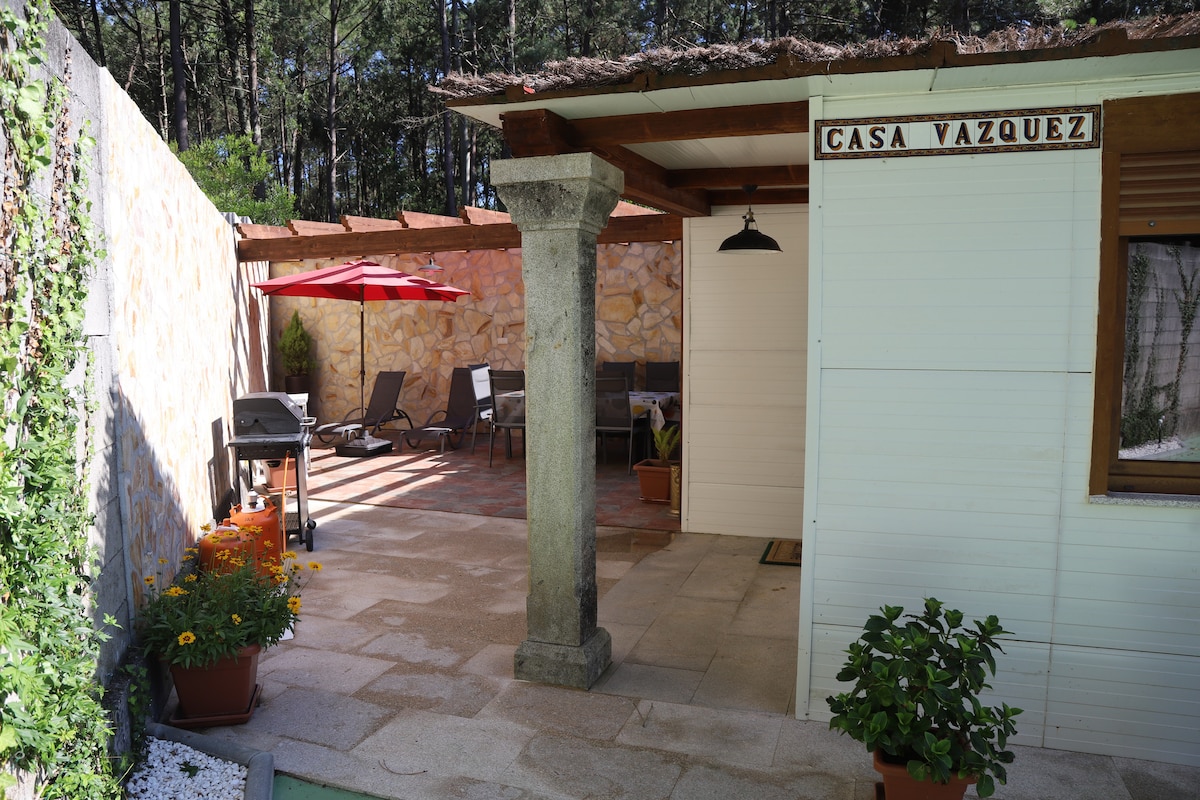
638 318
175 333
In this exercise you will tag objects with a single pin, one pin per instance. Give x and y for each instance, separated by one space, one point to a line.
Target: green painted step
289 788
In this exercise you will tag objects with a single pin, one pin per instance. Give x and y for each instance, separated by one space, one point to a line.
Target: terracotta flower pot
899 785
225 688
654 480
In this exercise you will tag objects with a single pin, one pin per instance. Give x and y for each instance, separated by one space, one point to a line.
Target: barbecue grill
268 426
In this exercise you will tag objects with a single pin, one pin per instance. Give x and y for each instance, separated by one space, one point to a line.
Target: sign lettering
1071 128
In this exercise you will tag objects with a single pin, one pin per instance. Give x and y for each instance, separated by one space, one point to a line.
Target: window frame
1134 126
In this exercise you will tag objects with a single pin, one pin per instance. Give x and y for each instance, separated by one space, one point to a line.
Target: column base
577 666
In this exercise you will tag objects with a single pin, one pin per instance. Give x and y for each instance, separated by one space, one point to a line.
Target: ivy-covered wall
112 461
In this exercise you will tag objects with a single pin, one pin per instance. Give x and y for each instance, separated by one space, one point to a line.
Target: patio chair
383 408
662 376
450 424
508 414
625 368
481 382
614 415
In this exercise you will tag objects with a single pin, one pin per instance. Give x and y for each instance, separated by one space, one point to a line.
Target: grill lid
269 415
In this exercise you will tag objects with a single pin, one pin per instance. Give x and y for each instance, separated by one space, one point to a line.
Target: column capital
572 191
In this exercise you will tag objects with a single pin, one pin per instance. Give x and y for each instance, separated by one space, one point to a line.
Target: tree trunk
512 36
331 209
179 92
451 206
236 80
100 59
252 78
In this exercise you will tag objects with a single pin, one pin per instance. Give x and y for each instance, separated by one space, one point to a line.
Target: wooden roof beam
494 236
540 132
737 177
701 123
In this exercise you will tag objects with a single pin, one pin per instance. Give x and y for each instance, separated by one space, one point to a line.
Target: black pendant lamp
749 239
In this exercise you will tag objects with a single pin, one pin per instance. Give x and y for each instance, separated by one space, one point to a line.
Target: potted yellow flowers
210 624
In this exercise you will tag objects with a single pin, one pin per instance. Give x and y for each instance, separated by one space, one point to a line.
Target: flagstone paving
398 682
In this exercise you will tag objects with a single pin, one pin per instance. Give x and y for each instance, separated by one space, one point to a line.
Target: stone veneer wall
176 334
638 318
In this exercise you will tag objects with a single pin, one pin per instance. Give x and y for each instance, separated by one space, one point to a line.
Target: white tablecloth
653 404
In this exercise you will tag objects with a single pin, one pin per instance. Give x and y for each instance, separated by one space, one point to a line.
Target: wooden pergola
414 232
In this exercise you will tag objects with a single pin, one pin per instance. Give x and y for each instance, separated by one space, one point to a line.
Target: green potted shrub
295 355
654 475
914 701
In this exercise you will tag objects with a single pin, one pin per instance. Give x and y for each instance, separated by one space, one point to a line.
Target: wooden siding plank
746 334
1135 705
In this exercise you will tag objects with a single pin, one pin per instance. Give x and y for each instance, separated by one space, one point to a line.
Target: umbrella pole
362 363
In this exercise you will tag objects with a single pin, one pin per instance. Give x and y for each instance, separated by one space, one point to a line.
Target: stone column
560 203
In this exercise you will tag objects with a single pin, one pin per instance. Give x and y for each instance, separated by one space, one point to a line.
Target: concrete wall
952 351
638 318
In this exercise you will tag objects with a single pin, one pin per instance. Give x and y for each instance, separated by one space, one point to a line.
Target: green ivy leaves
51 723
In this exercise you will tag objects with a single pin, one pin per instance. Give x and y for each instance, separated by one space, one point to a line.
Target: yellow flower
175 591
236 619
287 554
162 561
280 578
294 605
190 578
187 637
268 543
148 580
206 527
314 566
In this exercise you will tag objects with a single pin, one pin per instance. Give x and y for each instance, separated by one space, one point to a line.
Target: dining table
654 405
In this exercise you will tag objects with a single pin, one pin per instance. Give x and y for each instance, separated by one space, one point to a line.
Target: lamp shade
749 240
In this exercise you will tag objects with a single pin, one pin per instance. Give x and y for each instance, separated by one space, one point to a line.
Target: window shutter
1160 193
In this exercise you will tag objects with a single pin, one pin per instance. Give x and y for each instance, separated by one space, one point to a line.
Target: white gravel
174 771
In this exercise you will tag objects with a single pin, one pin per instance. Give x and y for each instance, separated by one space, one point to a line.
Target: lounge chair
383 408
449 425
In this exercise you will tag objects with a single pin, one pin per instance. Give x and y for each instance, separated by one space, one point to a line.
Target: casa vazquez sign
1069 128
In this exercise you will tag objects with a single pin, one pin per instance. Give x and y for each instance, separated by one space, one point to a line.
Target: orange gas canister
225 546
261 517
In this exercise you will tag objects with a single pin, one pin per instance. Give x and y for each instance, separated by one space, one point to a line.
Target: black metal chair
662 376
626 368
614 416
508 414
382 409
449 425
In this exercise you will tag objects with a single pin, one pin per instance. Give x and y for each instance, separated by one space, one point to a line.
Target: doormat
785 552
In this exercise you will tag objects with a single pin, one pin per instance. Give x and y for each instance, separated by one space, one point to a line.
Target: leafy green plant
916 680
52 724
210 613
295 348
237 177
665 439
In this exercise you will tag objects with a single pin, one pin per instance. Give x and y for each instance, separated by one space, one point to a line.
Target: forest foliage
334 92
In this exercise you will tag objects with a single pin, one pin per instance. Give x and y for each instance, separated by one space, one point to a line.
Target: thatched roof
583 73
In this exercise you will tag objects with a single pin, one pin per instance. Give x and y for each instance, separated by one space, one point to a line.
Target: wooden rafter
702 123
689 193
262 243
